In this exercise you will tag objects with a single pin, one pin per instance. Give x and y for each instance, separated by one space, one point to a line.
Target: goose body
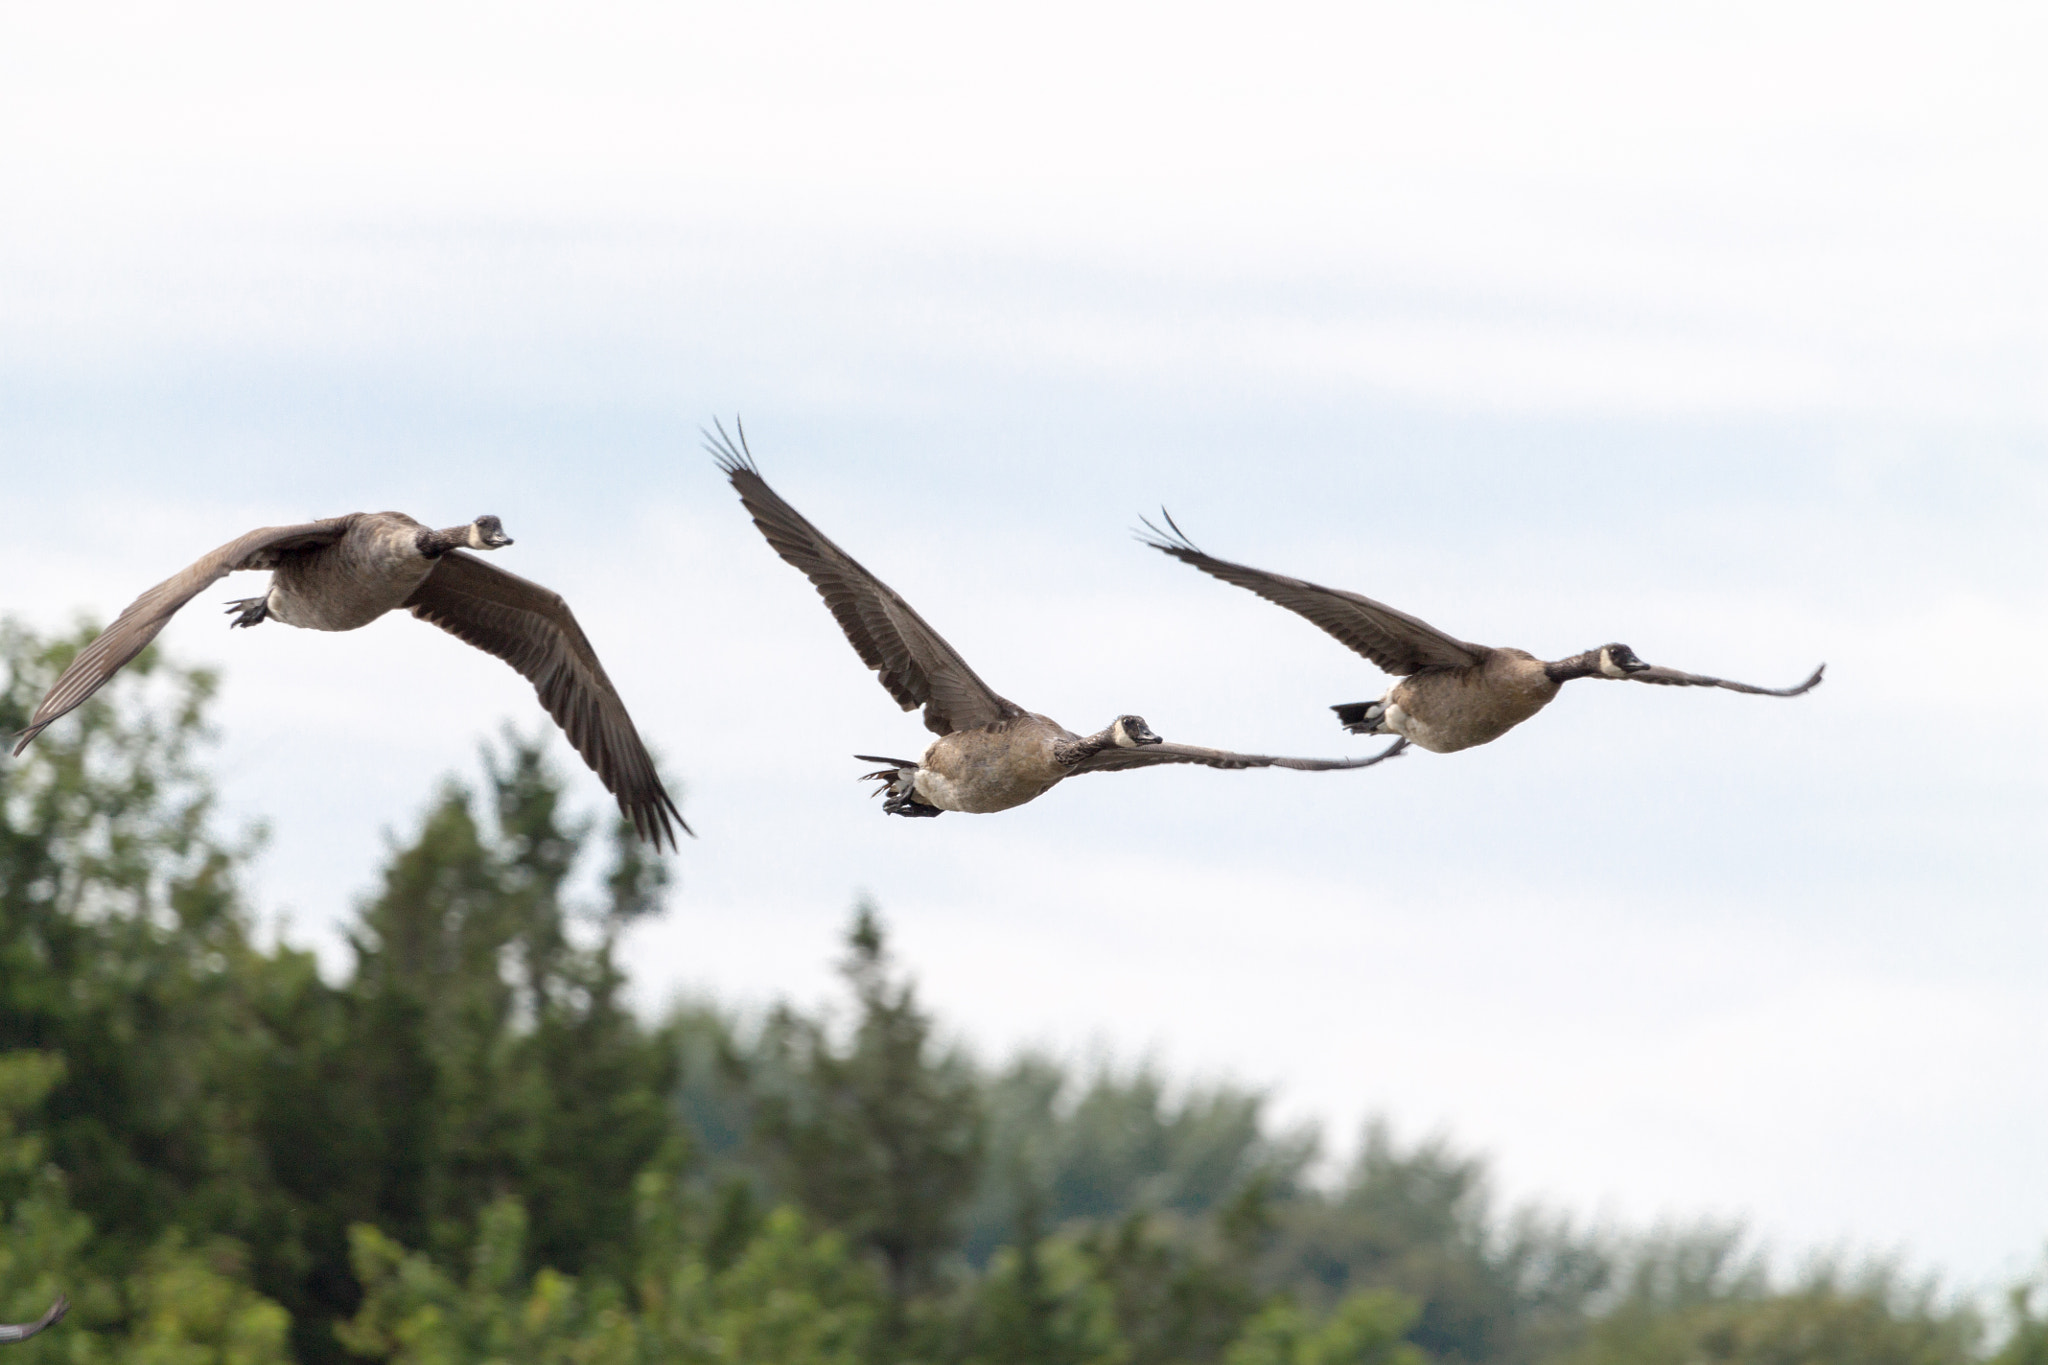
995 767
1444 710
1452 694
344 572
376 564
990 754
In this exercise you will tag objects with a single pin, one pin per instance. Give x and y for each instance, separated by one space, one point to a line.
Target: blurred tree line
470 1149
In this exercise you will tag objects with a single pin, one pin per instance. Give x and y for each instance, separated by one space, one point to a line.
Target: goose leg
908 804
899 787
255 611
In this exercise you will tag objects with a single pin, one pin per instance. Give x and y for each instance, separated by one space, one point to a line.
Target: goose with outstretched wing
1453 694
345 572
990 754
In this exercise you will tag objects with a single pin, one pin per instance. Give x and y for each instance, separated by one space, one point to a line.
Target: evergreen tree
880 1137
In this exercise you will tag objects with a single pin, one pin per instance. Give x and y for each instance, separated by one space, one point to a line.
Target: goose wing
532 629
1399 643
141 619
914 661
23 1331
1671 677
1150 755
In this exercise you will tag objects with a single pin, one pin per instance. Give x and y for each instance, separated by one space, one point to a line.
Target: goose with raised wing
345 572
990 754
1453 694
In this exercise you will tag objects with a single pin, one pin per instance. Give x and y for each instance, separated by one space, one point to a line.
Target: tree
1702 1305
1367 1328
879 1137
1122 1141
497 1051
175 1304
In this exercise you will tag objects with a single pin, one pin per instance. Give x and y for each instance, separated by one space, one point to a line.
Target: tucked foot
909 805
1363 717
255 611
899 786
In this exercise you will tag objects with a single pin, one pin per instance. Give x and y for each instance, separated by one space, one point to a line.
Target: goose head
1618 661
1131 732
487 533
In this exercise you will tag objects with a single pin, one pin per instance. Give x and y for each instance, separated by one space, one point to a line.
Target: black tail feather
1351 715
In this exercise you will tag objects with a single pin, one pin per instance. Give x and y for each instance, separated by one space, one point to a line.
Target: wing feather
141 620
912 660
1399 643
1150 755
1671 677
24 1330
532 629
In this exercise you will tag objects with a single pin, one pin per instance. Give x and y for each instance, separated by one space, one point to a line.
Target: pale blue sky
1718 332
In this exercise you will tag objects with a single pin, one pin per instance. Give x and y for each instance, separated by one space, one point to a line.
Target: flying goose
1452 694
990 754
345 572
11 1331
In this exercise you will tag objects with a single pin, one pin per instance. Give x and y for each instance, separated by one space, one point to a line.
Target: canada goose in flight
1452 695
345 572
990 754
23 1331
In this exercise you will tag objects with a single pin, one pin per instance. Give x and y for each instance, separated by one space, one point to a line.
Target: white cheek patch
1609 668
476 537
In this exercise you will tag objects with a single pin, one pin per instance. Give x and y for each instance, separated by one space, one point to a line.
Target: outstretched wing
913 661
141 619
1671 677
23 1331
1118 759
532 629
1399 643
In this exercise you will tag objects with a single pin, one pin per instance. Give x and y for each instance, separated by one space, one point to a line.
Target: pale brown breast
1455 708
994 767
369 571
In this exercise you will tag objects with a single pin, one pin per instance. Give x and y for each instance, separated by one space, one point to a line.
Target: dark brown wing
141 619
913 661
532 629
1399 643
1146 756
23 1331
1671 677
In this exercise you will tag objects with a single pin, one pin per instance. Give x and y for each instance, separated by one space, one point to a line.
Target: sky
1721 331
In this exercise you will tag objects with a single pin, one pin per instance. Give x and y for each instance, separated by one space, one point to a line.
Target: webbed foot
899 786
255 611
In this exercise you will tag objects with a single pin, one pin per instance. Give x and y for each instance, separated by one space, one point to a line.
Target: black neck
1577 666
434 544
1080 750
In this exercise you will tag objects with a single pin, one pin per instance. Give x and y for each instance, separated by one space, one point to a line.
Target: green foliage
471 1150
881 1137
1367 1328
124 947
499 1053
181 1306
789 1298
2027 1340
1826 1320
1122 1141
1044 1303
